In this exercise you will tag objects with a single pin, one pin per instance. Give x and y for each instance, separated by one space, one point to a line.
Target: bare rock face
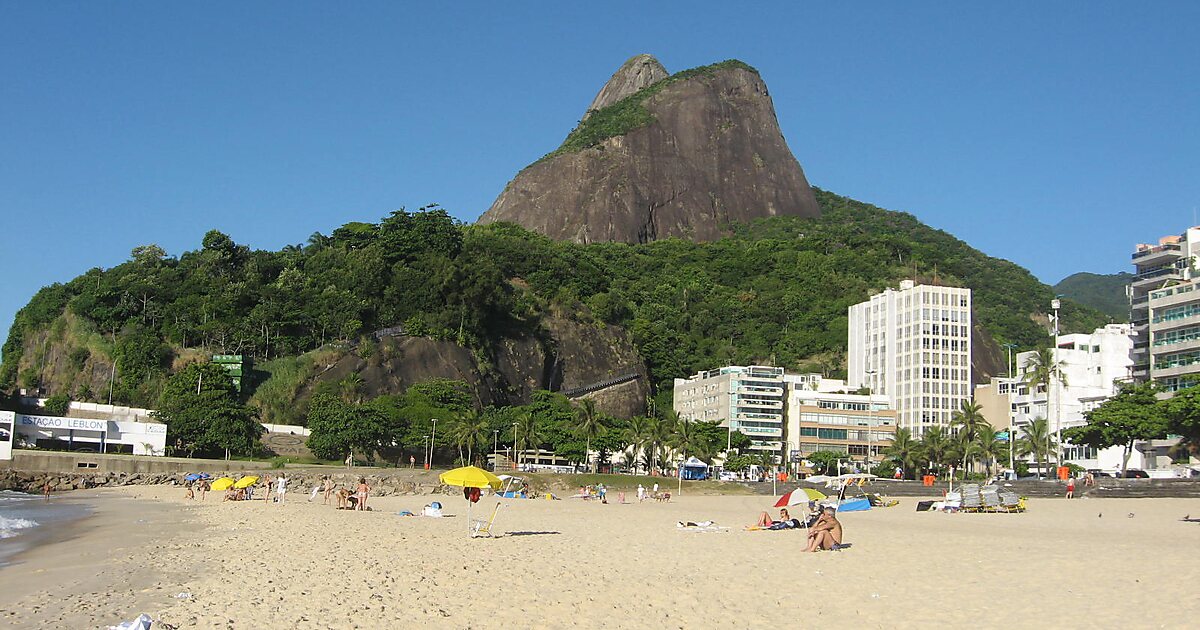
638 72
683 157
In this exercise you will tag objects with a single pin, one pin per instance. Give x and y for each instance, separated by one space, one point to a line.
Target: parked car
1134 473
1096 472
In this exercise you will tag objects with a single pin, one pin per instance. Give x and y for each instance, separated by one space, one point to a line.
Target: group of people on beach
345 498
824 529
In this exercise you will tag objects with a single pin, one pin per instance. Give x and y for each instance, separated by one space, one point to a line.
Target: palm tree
636 435
1037 440
469 430
905 450
686 439
988 447
935 446
528 431
967 422
591 424
661 429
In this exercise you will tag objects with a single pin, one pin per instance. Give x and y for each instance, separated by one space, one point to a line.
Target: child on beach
1071 488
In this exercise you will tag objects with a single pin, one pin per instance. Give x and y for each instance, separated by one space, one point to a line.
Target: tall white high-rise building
914 346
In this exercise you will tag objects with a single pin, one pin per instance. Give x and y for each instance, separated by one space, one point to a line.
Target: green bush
57 405
279 462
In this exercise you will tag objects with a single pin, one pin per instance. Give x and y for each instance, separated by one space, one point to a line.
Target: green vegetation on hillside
1103 292
630 112
776 291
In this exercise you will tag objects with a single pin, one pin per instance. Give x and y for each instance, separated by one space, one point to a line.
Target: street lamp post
495 447
1054 378
1012 438
426 453
516 456
432 441
870 414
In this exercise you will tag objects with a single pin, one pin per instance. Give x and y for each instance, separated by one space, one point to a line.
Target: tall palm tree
660 434
989 448
469 430
935 446
528 431
967 422
636 434
590 425
1037 440
904 449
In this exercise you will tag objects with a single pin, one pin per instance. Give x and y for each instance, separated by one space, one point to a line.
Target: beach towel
143 622
702 526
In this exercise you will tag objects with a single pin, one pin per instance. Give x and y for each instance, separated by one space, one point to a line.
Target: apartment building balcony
762 432
1156 256
758 417
1172 323
1140 370
1155 277
760 390
1178 370
751 403
1176 346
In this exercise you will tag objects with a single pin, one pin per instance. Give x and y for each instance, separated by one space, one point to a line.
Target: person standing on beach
412 461
203 488
641 493
361 494
281 488
267 487
1071 487
328 489
46 489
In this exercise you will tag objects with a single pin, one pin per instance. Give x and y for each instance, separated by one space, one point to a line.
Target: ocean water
27 520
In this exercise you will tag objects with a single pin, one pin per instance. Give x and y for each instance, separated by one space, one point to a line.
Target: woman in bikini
363 491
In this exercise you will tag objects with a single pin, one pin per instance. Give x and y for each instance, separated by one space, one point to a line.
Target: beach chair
1011 502
990 496
972 501
484 528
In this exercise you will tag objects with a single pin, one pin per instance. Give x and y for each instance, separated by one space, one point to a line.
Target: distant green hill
1103 292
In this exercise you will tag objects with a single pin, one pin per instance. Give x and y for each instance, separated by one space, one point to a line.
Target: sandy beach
1070 564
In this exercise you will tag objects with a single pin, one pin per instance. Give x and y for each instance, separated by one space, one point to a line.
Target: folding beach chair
484 528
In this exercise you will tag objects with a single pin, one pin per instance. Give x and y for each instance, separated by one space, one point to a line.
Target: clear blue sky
1056 137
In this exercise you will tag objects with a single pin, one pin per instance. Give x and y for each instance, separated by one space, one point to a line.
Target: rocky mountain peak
636 73
684 156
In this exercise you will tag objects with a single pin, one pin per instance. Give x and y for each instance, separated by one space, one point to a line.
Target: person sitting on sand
191 494
785 521
229 495
826 533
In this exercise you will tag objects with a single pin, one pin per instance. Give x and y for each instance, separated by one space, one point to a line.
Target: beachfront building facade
827 417
748 399
1165 310
7 420
1094 367
913 345
91 427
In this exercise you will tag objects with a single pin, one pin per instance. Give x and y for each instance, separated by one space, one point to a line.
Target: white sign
74 424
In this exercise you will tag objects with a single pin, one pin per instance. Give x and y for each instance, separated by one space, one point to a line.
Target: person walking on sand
281 488
328 489
641 493
1071 487
349 461
412 462
203 488
46 489
361 494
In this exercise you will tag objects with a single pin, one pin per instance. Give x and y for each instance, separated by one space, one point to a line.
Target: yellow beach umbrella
246 482
471 477
222 484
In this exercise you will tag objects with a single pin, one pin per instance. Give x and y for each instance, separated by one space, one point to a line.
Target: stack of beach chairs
990 499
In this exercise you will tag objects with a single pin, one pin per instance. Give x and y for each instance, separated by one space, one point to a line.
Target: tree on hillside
199 405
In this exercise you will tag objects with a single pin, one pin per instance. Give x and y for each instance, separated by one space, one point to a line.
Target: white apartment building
913 345
1165 310
1094 366
748 399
